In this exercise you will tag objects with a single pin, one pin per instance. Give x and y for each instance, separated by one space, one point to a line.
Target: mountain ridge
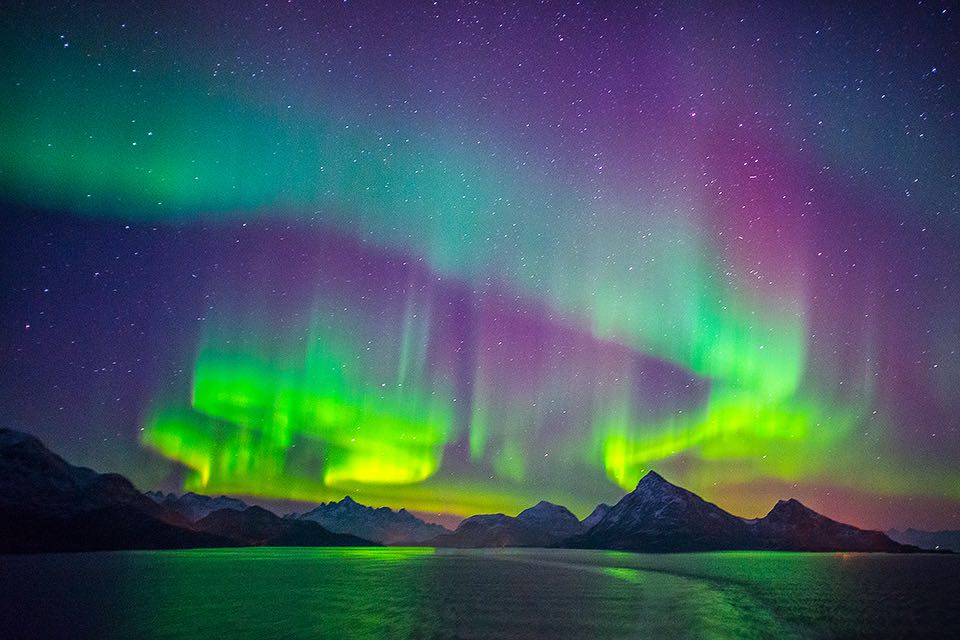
194 506
541 525
47 504
941 540
659 516
380 524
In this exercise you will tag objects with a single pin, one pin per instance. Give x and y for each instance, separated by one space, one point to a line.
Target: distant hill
790 526
381 525
542 525
193 506
258 527
933 540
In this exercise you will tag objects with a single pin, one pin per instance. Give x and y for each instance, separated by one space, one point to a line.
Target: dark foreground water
422 593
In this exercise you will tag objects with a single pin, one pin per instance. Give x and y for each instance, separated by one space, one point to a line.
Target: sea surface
425 593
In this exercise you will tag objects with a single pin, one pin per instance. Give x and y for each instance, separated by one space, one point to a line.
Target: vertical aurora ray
323 400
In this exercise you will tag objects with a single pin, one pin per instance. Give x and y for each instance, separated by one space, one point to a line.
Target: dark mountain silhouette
790 526
486 530
47 504
35 479
659 516
947 540
102 529
259 527
193 506
381 525
552 518
541 525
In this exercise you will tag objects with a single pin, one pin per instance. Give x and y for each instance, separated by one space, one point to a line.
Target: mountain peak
660 516
791 506
653 479
544 510
543 505
255 509
381 524
791 525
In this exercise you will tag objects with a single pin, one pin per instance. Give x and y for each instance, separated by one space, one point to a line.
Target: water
423 593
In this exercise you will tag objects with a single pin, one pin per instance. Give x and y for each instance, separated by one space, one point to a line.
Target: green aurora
374 402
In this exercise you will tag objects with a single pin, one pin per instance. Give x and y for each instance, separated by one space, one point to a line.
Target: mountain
259 527
193 506
381 525
47 504
35 479
933 540
488 530
790 526
553 520
659 516
542 525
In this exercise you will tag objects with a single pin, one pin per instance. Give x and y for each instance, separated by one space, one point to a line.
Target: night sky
459 257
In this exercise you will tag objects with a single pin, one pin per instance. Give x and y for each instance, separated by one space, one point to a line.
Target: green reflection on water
425 593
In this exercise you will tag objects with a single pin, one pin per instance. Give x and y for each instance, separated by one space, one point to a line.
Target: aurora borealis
460 257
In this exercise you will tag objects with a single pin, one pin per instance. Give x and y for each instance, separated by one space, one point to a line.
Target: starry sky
459 257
